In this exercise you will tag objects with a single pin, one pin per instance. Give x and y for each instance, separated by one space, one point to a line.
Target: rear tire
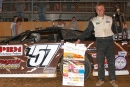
88 68
87 65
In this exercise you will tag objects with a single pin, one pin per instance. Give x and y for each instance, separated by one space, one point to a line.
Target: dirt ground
123 81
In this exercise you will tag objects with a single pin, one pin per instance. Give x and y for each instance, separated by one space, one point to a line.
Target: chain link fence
61 9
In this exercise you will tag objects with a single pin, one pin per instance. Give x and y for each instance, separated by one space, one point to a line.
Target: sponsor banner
73 66
11 50
29 59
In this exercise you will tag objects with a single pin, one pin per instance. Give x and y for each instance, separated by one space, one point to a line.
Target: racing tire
87 65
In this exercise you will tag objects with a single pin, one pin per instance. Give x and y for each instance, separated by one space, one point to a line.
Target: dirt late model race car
38 53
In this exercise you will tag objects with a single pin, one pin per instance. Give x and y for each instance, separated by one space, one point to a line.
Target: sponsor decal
105 63
95 66
40 55
94 55
124 42
11 50
120 62
122 53
97 23
107 21
91 49
49 70
10 63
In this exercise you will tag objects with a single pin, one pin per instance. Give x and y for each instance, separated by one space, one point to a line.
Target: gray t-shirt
20 6
73 25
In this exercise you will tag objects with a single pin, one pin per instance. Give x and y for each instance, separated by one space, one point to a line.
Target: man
20 6
73 24
13 24
41 10
103 25
61 23
17 27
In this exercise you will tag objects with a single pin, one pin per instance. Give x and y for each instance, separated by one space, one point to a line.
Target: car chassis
22 55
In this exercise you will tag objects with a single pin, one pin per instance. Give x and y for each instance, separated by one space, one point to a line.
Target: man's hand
125 26
77 42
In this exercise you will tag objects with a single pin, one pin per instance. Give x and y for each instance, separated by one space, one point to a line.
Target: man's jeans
20 14
105 49
0 5
41 11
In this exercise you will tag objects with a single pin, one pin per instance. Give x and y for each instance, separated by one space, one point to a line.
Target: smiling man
103 26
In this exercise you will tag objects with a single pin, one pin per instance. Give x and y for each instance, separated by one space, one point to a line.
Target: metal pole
32 12
97 1
0 6
32 16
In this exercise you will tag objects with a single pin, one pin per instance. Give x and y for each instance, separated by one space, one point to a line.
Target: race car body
38 53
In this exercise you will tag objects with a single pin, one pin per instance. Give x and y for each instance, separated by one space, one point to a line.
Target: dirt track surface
123 81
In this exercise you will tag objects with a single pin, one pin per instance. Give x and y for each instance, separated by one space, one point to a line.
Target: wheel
87 65
88 68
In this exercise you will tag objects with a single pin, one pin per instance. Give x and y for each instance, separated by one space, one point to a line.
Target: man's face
60 23
73 19
100 11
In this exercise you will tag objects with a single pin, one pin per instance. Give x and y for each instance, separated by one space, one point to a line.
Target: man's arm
16 29
86 33
77 26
